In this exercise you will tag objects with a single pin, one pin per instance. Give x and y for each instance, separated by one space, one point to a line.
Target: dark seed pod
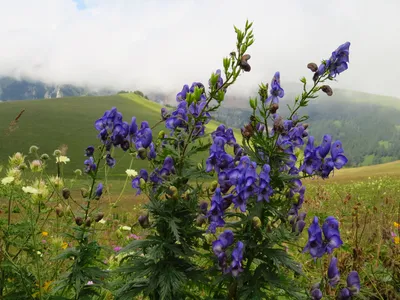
88 222
66 193
244 65
313 67
84 192
144 221
78 221
327 89
274 107
59 211
99 217
200 220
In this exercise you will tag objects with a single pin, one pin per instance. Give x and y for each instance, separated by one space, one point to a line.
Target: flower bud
57 152
78 221
200 220
313 67
119 233
327 90
142 153
33 149
66 193
99 217
199 166
274 107
22 166
59 211
44 156
213 186
144 221
203 206
88 222
84 192
173 191
253 103
78 172
256 222
161 134
142 183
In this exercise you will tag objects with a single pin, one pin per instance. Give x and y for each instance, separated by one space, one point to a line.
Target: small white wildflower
7 180
126 228
62 159
30 190
131 172
102 221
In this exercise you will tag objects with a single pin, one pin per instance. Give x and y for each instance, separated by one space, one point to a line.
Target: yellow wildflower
396 225
62 159
45 233
397 240
64 245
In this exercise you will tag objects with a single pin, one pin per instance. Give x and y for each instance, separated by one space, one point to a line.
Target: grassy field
51 123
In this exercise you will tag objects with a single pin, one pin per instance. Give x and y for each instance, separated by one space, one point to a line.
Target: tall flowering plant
219 229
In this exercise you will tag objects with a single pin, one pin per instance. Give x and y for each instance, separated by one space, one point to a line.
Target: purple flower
136 181
89 151
264 188
244 178
216 212
144 136
90 165
237 257
339 59
315 245
225 133
224 241
276 91
99 191
181 96
333 273
316 294
117 248
353 283
345 294
110 161
331 233
218 159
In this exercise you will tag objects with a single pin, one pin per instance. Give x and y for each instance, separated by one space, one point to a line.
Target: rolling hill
50 123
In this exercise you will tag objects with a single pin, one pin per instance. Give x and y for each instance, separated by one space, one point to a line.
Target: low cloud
160 45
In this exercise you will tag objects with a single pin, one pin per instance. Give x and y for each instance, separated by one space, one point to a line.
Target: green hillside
50 123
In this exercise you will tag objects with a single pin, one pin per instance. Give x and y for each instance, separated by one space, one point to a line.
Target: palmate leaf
281 258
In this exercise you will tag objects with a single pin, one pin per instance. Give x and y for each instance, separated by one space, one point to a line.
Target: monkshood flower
99 191
178 118
237 257
144 136
336 64
315 245
89 151
316 160
218 159
353 286
333 272
90 165
110 161
226 134
276 91
136 182
331 233
264 188
244 178
181 96
168 167
316 293
216 212
224 240
299 223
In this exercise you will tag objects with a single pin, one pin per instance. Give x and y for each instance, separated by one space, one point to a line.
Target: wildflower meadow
212 216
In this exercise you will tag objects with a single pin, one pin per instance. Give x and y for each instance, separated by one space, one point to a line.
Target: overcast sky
163 44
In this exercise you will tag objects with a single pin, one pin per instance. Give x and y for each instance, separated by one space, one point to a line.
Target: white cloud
163 44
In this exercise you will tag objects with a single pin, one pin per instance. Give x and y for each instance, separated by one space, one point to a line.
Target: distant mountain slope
50 123
368 125
24 89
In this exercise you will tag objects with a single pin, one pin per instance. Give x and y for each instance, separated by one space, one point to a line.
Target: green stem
9 209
